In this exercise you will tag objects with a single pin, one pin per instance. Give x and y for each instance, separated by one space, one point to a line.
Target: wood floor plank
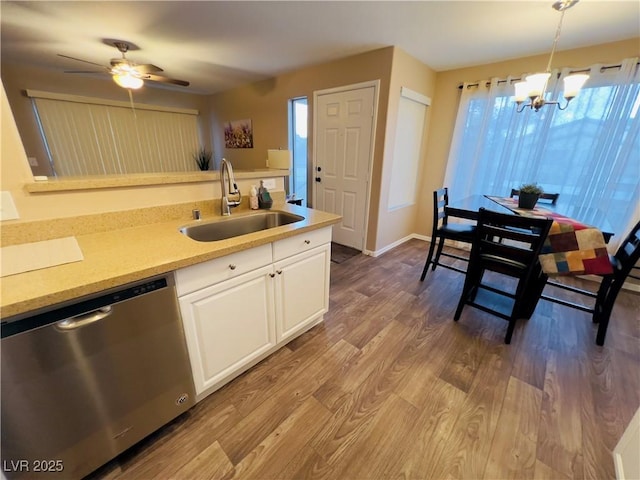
307 465
513 449
425 444
257 425
465 357
532 345
210 464
560 433
545 472
167 458
467 448
376 354
375 450
273 454
379 312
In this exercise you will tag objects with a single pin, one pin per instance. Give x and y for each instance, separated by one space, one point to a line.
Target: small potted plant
203 159
529 194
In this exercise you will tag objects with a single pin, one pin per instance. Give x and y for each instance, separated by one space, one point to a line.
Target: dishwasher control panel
55 313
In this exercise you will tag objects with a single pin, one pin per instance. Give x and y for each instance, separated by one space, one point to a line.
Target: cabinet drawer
301 243
201 275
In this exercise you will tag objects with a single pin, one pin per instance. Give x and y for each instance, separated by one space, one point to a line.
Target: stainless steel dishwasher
86 380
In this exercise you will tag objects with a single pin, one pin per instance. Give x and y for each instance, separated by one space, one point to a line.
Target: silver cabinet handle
232 266
84 319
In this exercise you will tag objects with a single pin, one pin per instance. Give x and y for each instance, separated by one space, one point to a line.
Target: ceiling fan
126 73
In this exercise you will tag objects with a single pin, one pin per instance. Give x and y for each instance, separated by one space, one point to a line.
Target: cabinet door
302 290
229 325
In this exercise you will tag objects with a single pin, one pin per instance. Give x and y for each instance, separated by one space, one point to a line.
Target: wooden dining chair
548 197
443 230
516 255
624 265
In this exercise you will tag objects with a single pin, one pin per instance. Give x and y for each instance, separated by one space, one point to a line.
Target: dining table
574 245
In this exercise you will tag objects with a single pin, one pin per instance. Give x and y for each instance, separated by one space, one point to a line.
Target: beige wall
18 78
447 95
397 224
265 103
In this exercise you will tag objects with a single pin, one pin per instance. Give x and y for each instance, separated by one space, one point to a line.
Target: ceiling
217 45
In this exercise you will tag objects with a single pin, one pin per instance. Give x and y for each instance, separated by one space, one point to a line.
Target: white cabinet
240 308
302 291
228 325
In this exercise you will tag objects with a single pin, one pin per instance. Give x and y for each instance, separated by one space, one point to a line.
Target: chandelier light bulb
522 91
573 84
537 84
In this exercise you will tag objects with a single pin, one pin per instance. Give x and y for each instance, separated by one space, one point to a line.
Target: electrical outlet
269 183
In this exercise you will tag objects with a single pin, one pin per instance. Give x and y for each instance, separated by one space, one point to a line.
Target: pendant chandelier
534 86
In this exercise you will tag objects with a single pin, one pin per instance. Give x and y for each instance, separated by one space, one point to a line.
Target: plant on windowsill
203 159
529 194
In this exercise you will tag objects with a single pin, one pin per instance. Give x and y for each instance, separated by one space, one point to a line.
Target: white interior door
344 132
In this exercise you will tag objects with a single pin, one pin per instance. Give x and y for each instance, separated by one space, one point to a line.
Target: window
298 146
88 136
588 153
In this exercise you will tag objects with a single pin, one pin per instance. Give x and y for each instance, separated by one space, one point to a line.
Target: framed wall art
238 134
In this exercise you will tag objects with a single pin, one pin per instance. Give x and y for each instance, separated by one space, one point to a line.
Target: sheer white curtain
589 153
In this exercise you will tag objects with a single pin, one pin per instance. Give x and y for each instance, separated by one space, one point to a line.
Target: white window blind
406 153
89 136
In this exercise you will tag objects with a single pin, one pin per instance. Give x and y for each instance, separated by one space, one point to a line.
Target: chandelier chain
555 40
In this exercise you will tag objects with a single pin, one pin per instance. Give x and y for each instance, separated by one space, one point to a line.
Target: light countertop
117 257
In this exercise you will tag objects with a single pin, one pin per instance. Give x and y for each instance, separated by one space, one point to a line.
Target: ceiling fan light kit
534 86
126 80
128 74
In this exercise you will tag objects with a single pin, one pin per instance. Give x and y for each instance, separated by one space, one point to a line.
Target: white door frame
376 93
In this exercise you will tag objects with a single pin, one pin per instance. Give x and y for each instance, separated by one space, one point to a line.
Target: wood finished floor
389 387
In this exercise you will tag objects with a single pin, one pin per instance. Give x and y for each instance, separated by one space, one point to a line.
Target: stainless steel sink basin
235 226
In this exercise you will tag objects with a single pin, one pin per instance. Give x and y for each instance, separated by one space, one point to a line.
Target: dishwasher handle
84 319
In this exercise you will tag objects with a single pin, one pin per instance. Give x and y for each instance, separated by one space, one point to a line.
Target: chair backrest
440 201
628 254
507 243
550 197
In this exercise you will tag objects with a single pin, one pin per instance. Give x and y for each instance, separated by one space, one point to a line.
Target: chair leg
510 329
601 297
432 246
469 290
438 253
602 329
604 309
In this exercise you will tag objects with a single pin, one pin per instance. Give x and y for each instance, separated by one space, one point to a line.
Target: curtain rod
583 70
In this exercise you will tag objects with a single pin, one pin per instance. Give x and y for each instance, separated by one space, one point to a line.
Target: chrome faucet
230 189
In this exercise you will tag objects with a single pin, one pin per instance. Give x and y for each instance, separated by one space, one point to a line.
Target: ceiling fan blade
147 68
144 68
158 78
80 60
85 71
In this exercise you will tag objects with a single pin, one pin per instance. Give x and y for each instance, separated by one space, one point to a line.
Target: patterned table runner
571 248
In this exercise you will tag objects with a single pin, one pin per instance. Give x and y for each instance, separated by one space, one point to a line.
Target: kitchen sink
236 226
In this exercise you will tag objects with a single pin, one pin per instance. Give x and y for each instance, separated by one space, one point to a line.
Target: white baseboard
393 245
